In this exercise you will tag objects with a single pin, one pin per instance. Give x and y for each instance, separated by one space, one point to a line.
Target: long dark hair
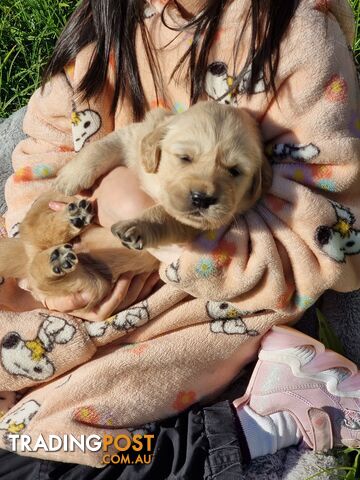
112 25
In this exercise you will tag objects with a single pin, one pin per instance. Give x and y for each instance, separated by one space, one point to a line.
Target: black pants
199 443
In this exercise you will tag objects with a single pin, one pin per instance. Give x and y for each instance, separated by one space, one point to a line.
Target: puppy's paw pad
63 260
130 236
80 213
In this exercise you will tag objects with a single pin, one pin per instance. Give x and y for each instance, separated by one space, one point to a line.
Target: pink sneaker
318 387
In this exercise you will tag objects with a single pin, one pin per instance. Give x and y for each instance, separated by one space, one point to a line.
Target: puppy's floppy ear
151 149
158 119
261 182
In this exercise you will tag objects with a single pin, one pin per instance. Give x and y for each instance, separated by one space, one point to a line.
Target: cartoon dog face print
55 330
129 319
172 272
226 318
16 421
84 125
295 151
28 358
132 318
245 83
97 329
149 10
341 239
218 84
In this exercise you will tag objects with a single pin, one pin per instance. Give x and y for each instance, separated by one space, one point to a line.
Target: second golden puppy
202 167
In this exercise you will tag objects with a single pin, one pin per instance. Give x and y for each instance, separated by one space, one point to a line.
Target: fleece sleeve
303 237
57 124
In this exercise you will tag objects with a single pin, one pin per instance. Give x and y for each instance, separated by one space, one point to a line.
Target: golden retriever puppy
44 255
202 167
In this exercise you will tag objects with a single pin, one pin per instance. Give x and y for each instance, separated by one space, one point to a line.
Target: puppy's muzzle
202 200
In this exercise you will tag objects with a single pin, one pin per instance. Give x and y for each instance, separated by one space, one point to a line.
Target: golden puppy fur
202 167
43 255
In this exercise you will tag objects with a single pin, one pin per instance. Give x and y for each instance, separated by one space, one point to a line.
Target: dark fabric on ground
199 443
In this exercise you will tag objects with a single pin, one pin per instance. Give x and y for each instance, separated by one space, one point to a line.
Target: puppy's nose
202 200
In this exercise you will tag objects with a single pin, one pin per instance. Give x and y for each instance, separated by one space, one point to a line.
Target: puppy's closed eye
185 158
234 171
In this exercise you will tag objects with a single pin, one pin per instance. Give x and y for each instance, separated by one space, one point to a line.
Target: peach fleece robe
190 338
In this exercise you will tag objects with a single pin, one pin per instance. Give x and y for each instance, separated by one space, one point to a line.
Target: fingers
57 206
110 303
149 286
140 288
128 290
119 292
67 304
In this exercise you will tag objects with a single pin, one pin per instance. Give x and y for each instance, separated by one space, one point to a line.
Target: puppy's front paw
80 213
131 234
63 260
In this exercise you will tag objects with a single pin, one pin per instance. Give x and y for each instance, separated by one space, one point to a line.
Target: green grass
356 7
28 30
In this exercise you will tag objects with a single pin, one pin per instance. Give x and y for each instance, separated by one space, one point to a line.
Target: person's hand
129 289
119 197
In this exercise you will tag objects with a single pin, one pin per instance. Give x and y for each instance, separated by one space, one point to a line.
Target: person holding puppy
223 293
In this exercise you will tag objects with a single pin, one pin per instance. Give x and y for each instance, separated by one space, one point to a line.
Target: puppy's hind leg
13 258
58 271
53 263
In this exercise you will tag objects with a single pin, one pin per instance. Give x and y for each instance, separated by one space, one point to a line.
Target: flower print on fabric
158 103
336 89
136 348
220 253
87 414
224 253
37 172
320 176
184 400
179 107
285 298
206 268
303 302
